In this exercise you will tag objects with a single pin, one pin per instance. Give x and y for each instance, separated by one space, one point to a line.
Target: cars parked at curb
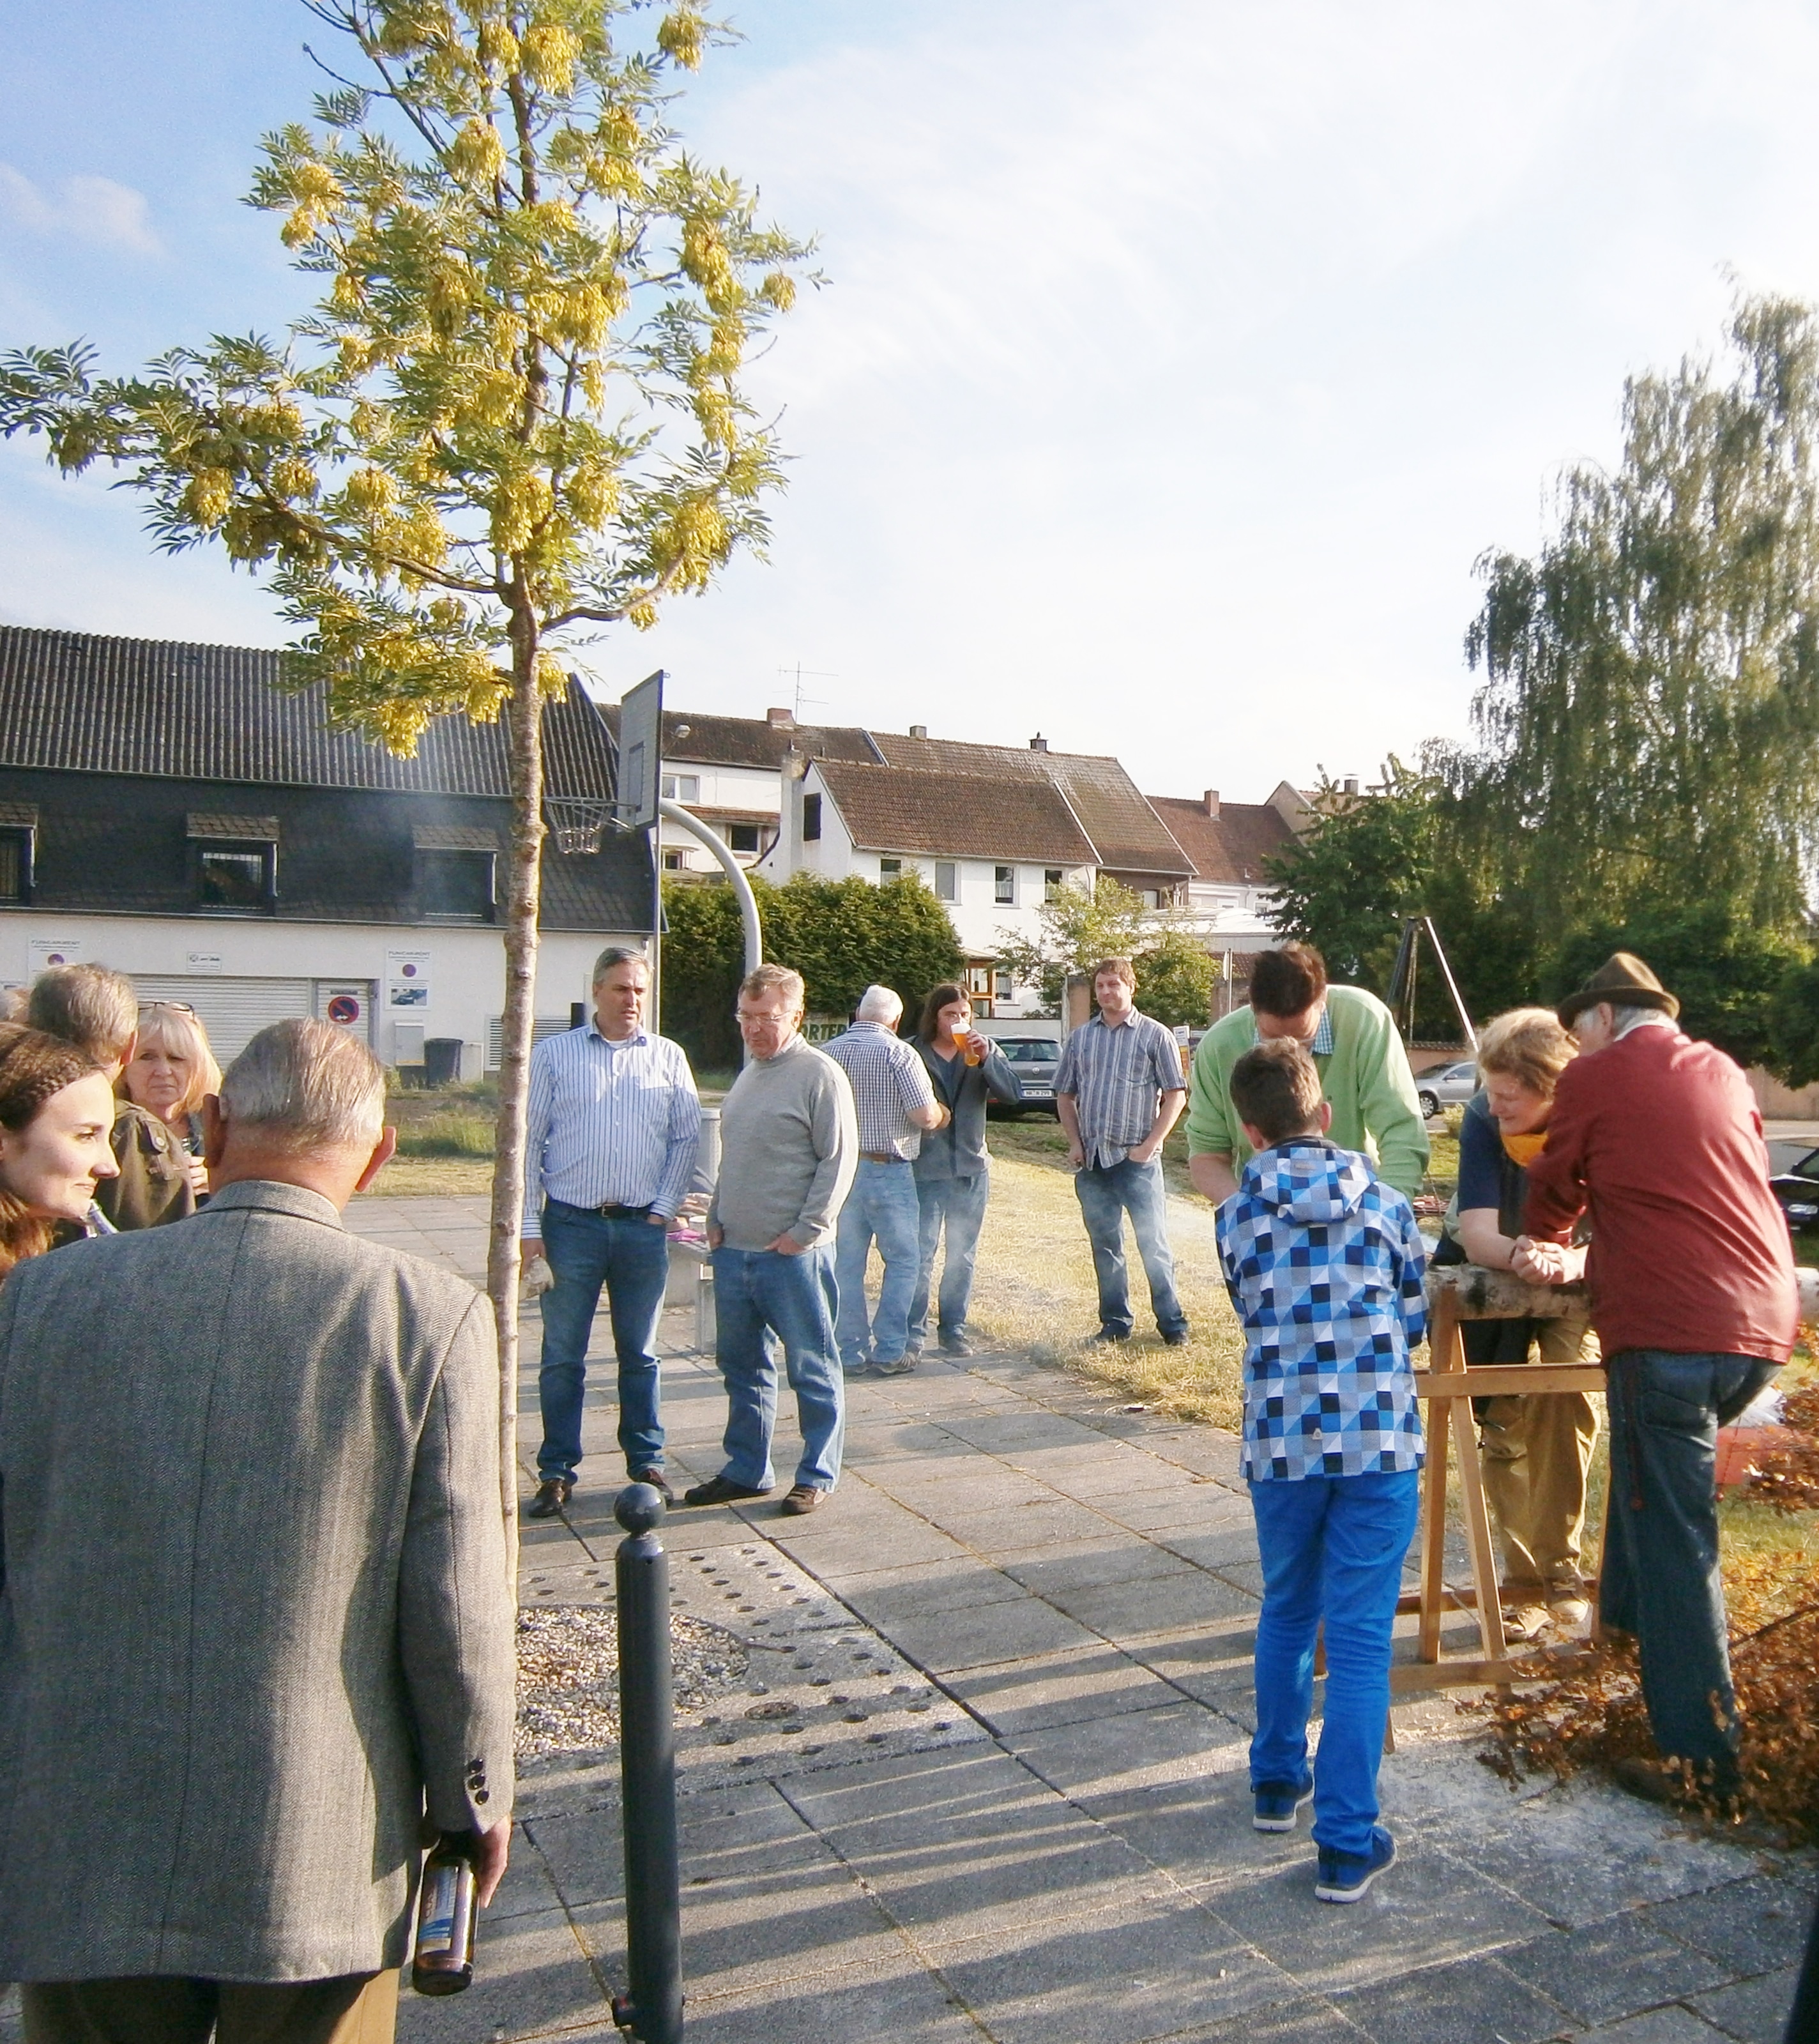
1453 1085
1034 1055
1794 1179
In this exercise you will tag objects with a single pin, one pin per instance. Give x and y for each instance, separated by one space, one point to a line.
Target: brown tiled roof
692 739
956 814
1126 832
1230 849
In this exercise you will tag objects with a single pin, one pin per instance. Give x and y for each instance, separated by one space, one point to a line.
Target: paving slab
1659 2026
1097 1681
1753 1926
531 1975
1609 1970
1115 1756
1477 2001
1754 2011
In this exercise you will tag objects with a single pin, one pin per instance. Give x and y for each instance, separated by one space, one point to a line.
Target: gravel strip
568 1676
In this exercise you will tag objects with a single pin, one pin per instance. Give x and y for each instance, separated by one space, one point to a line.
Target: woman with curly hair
56 1114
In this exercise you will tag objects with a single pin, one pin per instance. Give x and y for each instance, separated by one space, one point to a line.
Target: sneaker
1177 1338
804 1498
1107 1337
721 1490
1278 1804
1343 1876
861 1368
1569 1609
899 1366
957 1347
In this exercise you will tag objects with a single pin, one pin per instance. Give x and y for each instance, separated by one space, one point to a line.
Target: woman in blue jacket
953 1170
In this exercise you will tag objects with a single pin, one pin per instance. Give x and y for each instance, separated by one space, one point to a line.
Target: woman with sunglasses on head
56 1115
171 1073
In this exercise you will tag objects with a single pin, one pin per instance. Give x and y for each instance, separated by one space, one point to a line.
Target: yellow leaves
550 53
520 504
348 295
618 129
643 614
293 478
371 492
579 315
488 688
316 191
682 36
207 496
552 677
417 24
725 349
592 493
497 47
779 290
693 542
355 354
714 414
705 262
497 397
476 155
423 537
450 293
593 382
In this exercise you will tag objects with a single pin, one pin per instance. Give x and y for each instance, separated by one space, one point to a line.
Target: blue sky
1177 362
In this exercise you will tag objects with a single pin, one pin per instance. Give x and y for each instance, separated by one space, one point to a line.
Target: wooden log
1479 1294
1508 1379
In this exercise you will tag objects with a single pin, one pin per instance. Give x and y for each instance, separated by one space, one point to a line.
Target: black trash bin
441 1060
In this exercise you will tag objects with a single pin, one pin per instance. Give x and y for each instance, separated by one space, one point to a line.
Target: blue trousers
1106 1193
955 1206
631 1258
1332 1548
760 1294
1661 1579
882 1204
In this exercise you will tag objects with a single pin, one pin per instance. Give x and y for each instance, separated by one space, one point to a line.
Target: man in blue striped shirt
609 1155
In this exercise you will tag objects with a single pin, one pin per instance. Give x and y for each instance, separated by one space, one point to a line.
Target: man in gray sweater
788 1146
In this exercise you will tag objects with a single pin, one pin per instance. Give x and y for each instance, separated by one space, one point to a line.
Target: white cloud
95 210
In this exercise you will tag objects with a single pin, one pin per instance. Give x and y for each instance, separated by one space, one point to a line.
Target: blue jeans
631 1258
1107 1193
759 1293
1332 1548
882 1203
1661 1579
957 1204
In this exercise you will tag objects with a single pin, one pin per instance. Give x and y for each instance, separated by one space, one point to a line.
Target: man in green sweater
1363 1069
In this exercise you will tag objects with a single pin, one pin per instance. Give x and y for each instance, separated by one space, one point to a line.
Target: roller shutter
233 1011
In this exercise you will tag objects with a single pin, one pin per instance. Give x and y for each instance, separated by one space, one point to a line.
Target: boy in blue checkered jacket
1324 1264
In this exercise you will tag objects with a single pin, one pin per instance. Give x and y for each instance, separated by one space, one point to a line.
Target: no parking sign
346 1009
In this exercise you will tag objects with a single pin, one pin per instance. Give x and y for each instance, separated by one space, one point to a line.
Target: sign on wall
407 982
42 953
209 962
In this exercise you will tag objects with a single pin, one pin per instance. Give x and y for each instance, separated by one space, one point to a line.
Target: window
811 818
890 869
455 885
672 861
1004 883
236 879
947 880
1052 877
979 980
742 837
681 787
15 866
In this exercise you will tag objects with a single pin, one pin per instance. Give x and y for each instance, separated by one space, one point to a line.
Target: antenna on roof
814 674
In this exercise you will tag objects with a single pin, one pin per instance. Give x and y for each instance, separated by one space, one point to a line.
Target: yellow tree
514 414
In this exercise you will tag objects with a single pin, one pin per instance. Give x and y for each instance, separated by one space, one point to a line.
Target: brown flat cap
1625 981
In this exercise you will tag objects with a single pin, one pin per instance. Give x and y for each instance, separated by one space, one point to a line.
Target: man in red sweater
1693 1296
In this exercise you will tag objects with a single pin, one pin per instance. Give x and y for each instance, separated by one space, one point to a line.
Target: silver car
1035 1060
1451 1087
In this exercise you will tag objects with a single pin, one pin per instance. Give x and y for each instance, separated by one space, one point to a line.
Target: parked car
1452 1086
1035 1060
1795 1183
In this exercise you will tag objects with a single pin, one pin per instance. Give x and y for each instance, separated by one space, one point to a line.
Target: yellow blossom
476 153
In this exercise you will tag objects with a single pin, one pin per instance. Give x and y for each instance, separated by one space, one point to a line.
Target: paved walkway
993 1784
980 1773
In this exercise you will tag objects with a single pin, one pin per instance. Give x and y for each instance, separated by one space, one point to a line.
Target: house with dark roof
175 811
1228 896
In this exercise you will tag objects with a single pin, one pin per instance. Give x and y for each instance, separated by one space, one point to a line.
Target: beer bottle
442 1962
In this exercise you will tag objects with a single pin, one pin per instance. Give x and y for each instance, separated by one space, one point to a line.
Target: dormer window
456 872
234 863
18 844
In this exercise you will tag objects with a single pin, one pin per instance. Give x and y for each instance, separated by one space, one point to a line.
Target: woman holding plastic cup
953 1170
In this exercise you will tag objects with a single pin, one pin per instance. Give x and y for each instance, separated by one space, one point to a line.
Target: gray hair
617 955
307 1086
1623 1019
764 980
879 1004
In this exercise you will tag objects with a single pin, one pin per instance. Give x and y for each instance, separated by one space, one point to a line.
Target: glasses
181 1007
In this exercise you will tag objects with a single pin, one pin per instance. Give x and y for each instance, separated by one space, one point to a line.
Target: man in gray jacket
788 1145
254 1624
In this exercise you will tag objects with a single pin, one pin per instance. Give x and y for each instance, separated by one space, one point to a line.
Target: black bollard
652 2011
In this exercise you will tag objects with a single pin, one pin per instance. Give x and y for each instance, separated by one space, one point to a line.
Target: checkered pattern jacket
1324 1264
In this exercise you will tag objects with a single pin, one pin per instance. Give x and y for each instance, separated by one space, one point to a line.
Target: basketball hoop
578 822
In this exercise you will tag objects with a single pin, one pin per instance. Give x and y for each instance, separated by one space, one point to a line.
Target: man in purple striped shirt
609 1155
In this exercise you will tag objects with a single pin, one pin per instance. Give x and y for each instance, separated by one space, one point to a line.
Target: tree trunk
525 731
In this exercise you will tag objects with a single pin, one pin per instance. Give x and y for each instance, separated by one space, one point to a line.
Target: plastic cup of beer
967 1037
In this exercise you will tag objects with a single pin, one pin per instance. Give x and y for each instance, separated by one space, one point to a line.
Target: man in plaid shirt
896 1101
1326 1266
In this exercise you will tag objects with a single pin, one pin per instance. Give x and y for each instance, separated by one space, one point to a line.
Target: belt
882 1157
609 1213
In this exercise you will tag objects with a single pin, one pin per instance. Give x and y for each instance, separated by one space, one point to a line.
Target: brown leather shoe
654 1478
553 1493
804 1498
721 1490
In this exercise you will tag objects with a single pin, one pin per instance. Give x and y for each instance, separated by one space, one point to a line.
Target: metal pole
652 2011
656 1001
674 813
1451 985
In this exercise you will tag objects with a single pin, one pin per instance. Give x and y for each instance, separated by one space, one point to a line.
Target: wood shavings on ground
568 1676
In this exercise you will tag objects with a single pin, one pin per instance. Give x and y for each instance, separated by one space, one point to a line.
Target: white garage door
233 1011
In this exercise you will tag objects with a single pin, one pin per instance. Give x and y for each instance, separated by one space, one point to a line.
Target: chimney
780 719
1038 743
1351 784
1212 801
919 731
